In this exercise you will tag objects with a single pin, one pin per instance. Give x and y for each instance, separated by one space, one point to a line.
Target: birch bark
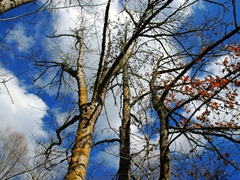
6 5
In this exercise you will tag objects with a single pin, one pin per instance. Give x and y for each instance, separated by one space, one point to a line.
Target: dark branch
106 141
59 130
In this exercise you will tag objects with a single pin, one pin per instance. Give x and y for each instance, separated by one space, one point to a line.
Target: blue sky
25 107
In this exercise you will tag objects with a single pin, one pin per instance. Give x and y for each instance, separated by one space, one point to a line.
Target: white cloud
109 156
184 145
20 110
20 38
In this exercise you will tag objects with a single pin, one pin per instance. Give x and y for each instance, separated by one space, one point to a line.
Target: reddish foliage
215 92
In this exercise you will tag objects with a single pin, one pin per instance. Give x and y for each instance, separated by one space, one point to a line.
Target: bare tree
14 153
16 160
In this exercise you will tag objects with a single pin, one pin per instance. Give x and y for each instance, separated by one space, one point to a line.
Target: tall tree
124 151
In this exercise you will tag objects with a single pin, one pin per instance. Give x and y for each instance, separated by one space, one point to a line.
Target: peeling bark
82 85
78 166
89 113
6 5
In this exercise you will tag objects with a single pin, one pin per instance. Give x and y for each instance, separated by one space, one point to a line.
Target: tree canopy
152 83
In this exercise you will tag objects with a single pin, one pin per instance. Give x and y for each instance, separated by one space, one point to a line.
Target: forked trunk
78 166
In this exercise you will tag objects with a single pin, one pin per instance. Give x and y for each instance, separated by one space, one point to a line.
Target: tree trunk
90 112
83 143
164 151
124 164
6 5
164 142
158 104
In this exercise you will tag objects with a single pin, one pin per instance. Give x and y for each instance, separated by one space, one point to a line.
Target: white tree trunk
6 5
